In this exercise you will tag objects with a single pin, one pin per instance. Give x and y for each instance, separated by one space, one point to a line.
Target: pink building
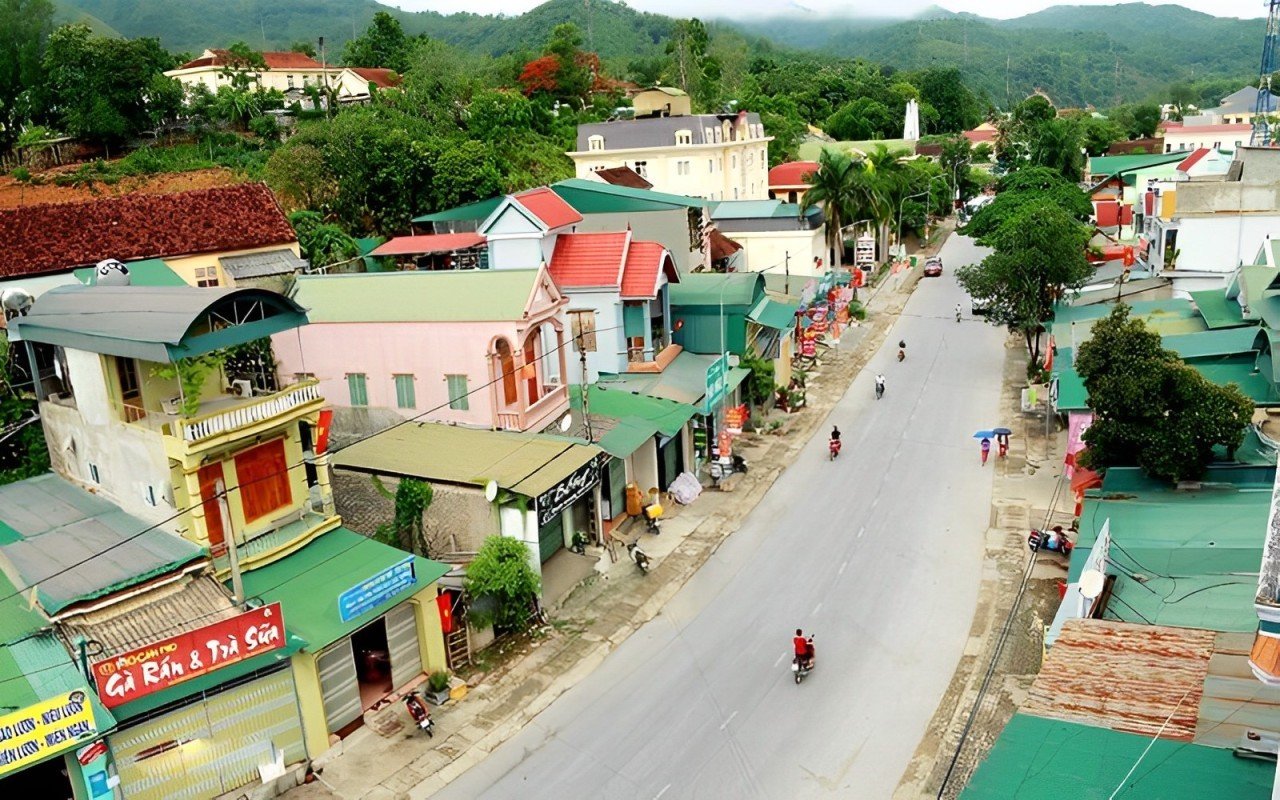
475 347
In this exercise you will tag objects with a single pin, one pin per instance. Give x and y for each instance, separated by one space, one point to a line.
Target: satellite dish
566 422
491 491
111 272
1091 583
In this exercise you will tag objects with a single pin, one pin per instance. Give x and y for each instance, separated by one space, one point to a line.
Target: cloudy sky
713 8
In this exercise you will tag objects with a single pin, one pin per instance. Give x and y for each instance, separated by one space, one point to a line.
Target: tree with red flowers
540 75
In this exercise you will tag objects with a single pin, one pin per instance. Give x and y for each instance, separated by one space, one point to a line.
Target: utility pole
229 539
586 384
787 266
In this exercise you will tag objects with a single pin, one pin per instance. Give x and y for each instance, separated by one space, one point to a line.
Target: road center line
817 608
875 502
723 725
779 661
661 793
845 564
861 531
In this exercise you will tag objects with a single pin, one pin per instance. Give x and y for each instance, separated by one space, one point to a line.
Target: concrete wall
1190 138
611 345
726 171
668 228
763 250
459 519
1218 243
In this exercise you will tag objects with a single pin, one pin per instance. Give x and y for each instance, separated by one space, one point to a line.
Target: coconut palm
833 187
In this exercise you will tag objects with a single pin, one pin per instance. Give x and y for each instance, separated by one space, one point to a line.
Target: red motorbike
834 448
1053 541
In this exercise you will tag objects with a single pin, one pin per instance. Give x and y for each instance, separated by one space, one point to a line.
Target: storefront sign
734 418
171 661
48 727
373 592
717 383
95 779
564 493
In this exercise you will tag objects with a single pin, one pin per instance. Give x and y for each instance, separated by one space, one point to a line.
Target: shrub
438 681
502 584
22 175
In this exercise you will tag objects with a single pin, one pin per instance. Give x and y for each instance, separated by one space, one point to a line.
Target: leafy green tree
1099 134
1150 408
297 173
944 90
26 25
383 44
646 71
574 76
439 84
323 244
464 171
1139 121
306 48
692 68
1056 144
406 531
1020 189
840 186
23 452
1039 254
502 584
495 115
862 119
164 99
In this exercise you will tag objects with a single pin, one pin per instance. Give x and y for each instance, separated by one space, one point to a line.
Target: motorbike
652 515
957 315
418 710
1054 541
800 668
902 354
879 390
640 557
834 448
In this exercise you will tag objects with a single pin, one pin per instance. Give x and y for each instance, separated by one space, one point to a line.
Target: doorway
47 779
373 662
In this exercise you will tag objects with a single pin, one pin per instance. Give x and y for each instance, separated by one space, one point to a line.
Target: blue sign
717 384
375 591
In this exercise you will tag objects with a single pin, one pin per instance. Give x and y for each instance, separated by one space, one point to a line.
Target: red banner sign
171 661
322 430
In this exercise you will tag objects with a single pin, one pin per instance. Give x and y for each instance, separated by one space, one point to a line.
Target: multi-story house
1178 136
164 402
287 72
713 156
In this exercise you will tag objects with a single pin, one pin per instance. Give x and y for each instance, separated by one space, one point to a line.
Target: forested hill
1078 55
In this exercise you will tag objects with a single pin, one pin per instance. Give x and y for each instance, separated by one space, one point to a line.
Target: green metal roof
1106 166
472 212
759 209
524 463
1197 551
668 416
1046 759
718 288
1217 310
148 272
597 197
774 314
1068 313
17 617
684 380
307 583
1207 344
417 295
154 323
627 436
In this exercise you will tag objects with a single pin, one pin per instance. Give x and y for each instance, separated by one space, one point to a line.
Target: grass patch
214 150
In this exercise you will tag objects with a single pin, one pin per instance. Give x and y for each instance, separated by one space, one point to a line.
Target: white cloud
1001 9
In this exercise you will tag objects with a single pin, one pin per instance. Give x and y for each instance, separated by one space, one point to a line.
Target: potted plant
438 686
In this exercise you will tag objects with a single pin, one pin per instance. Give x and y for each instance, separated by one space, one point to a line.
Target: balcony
553 403
660 361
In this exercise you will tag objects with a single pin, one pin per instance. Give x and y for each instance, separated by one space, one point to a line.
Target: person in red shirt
803 648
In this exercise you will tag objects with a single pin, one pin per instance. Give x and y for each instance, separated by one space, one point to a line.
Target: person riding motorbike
833 445
835 433
959 310
803 649
901 354
879 386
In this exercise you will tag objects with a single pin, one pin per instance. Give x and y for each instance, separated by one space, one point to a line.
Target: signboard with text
717 383
51 726
373 592
171 661
564 493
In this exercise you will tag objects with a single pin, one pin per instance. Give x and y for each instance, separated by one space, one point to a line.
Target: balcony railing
246 412
513 419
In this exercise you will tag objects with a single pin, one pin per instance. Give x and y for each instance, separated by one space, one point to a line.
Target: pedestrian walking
1002 440
986 450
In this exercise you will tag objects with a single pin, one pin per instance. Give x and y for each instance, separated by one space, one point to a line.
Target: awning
667 416
627 436
308 583
774 314
736 376
262 265
428 244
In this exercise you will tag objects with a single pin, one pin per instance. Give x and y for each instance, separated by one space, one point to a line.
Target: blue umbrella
984 435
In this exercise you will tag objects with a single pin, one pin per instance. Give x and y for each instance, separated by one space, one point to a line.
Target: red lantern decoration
445 603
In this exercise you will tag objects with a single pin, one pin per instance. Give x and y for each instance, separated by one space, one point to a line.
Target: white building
775 236
285 72
1178 136
713 156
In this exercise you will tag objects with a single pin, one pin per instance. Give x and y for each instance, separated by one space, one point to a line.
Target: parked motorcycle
640 557
652 515
801 667
1054 541
420 713
833 448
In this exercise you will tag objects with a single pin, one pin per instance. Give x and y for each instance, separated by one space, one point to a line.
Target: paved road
878 553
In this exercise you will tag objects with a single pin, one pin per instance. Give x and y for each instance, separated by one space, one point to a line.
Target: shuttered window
404 392
458 399
263 477
356 386
633 320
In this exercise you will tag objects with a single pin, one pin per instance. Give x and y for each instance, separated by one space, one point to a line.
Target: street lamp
928 192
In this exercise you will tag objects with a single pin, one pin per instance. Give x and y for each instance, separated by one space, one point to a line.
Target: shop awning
667 416
626 436
428 244
774 314
683 381
308 583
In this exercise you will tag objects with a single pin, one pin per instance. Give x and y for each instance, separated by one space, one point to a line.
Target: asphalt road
879 554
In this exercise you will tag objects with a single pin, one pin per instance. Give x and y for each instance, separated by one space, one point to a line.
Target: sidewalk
600 614
1025 495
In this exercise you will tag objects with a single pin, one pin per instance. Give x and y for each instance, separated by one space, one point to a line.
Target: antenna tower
1263 107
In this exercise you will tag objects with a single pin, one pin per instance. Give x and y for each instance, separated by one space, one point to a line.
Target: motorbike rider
879 385
835 433
417 709
803 649
959 310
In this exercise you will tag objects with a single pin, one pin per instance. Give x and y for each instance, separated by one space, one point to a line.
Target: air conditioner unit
242 388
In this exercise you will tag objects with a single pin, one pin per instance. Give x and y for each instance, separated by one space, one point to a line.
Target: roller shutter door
338 685
402 642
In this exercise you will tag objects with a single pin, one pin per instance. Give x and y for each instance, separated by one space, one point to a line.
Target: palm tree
889 185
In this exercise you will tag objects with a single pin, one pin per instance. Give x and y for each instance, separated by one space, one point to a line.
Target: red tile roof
54 237
1193 159
548 207
275 60
976 136
721 246
623 176
792 173
589 259
429 243
382 78
645 262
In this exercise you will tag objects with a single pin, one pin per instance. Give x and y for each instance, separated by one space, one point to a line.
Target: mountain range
1096 55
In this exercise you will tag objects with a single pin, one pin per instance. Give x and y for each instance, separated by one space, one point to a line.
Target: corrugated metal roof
668 415
261 265
191 603
431 243
61 525
741 289
525 463
472 212
417 295
1217 310
1129 678
154 323
774 314
593 197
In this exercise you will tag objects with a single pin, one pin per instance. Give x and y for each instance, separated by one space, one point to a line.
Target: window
356 387
206 276
583 326
735 193
93 473
711 165
707 136
404 391
458 399
551 343
289 78
733 161
750 157
263 479
684 137
682 167
506 368
642 168
595 142
1217 145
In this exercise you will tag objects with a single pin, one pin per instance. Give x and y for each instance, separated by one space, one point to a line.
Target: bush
22 175
438 681
502 585
265 127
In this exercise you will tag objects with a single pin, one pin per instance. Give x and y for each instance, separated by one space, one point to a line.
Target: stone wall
457 521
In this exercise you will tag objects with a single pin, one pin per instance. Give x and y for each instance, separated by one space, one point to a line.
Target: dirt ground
14 194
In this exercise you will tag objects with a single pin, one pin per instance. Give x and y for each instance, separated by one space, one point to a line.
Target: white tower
911 125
